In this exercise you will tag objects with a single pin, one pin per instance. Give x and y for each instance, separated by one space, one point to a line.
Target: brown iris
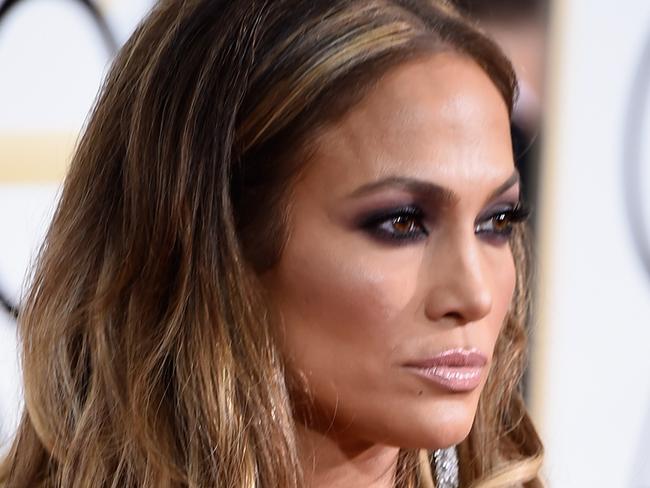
405 224
501 223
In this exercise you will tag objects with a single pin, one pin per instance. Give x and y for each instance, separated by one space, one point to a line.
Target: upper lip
457 357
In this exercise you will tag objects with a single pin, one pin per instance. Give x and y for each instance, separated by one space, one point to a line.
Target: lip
456 370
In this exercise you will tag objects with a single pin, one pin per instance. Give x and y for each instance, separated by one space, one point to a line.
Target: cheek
507 283
339 302
504 282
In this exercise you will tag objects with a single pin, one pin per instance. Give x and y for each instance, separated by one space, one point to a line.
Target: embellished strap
446 465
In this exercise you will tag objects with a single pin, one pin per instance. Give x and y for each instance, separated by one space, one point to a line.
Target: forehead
440 119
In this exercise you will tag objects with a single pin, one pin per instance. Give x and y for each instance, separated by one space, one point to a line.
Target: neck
333 462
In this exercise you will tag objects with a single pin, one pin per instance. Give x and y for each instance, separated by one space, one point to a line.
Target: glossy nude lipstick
454 369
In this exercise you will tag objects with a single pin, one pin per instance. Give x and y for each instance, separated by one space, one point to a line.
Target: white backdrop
591 370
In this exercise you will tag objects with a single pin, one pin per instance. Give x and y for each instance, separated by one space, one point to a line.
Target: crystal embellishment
446 463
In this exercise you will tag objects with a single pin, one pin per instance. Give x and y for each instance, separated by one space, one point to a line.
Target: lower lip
452 378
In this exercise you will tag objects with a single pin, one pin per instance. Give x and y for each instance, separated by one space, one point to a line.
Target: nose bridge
460 285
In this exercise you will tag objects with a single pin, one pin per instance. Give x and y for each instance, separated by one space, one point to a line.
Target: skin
357 305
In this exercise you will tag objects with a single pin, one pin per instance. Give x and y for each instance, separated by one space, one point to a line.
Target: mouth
455 370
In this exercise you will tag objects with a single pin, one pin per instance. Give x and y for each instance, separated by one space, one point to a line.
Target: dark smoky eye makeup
498 223
403 224
399 224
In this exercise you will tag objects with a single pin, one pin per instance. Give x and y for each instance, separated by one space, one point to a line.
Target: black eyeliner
381 216
372 224
510 216
520 212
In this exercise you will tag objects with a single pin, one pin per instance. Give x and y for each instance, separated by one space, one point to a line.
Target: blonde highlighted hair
148 351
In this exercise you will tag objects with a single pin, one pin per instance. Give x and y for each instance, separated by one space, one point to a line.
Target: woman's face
398 251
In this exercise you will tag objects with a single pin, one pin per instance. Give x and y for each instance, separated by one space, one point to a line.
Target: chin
440 427
449 435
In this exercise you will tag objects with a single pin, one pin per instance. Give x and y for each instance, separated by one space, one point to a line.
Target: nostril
455 316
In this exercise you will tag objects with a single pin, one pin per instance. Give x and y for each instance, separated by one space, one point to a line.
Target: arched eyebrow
428 190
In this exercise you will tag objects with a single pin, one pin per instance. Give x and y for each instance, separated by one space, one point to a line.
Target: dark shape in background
10 308
88 5
111 44
638 116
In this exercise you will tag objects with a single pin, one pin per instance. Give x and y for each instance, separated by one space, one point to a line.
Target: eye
500 223
402 224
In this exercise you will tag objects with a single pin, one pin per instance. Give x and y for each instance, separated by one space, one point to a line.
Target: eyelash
383 223
510 216
377 224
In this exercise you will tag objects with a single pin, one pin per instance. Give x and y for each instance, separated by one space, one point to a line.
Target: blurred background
581 132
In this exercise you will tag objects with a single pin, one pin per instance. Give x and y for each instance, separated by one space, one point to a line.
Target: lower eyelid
380 232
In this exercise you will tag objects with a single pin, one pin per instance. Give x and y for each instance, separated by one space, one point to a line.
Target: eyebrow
430 190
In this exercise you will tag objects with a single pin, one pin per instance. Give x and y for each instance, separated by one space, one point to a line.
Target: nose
459 282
